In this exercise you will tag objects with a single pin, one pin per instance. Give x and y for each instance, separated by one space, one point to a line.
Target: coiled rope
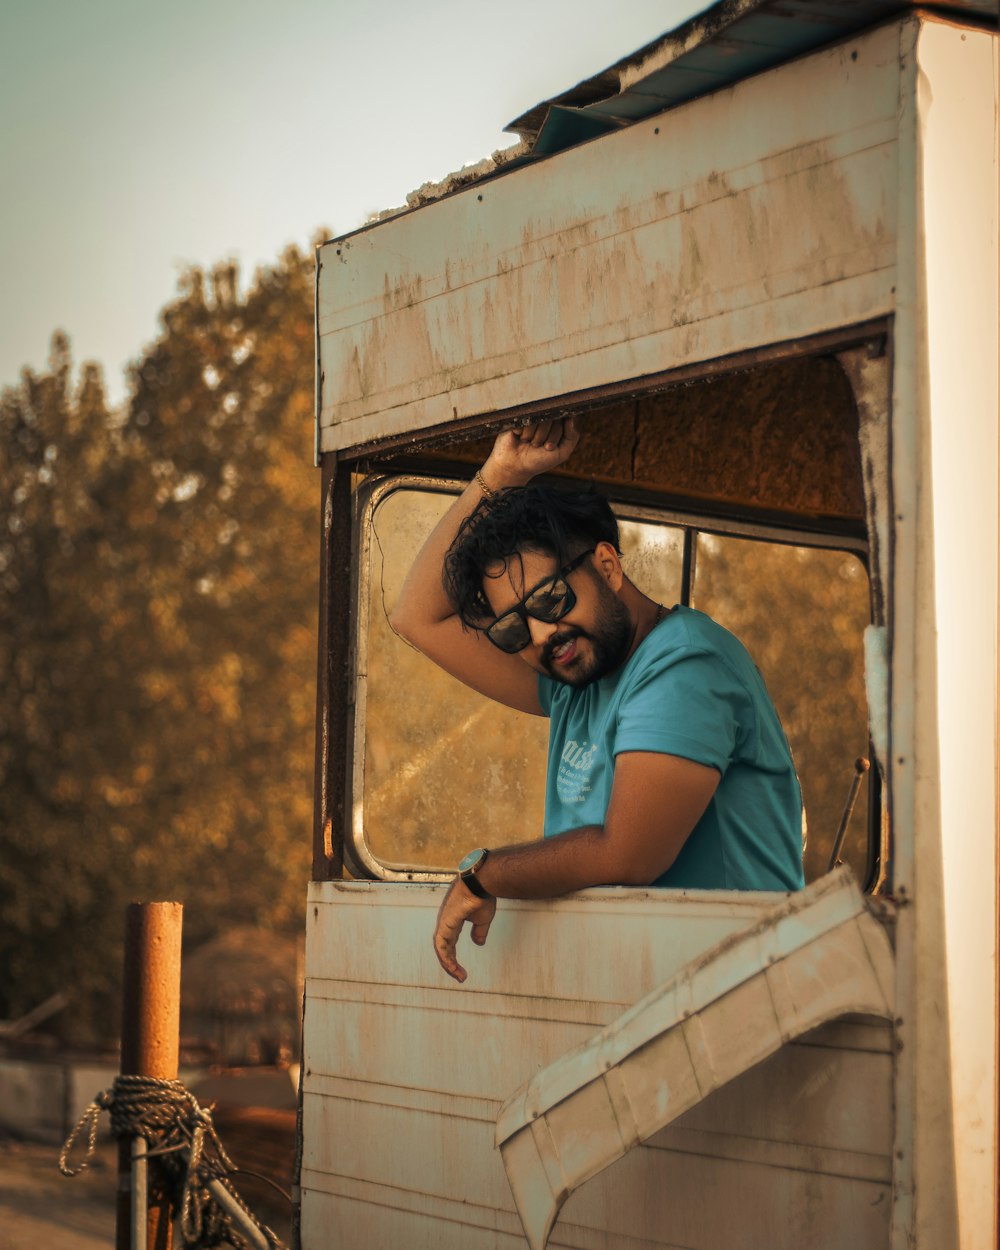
182 1137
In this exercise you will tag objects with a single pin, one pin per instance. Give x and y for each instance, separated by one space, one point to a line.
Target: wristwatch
468 868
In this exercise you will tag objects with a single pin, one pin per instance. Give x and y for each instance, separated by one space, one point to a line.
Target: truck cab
756 261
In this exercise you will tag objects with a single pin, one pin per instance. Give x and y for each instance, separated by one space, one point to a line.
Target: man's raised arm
425 616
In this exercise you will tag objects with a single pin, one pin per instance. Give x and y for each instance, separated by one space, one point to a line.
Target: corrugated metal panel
726 43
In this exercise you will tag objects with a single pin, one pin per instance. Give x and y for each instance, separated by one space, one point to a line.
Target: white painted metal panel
406 1073
644 250
814 957
944 448
690 1201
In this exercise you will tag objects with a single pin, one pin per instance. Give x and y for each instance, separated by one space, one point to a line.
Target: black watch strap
475 885
467 871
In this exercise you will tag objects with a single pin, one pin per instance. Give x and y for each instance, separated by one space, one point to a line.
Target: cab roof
727 42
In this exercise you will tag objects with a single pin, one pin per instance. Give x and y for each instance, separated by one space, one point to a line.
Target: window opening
438 767
801 613
442 766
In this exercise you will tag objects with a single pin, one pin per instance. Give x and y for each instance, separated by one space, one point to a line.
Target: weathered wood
776 440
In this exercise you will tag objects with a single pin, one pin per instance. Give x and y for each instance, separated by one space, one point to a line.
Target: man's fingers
458 906
539 433
564 439
570 433
450 919
481 931
560 435
543 435
444 948
539 445
455 970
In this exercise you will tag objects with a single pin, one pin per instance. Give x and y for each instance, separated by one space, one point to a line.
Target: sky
139 138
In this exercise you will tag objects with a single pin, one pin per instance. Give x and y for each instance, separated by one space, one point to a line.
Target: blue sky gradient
139 138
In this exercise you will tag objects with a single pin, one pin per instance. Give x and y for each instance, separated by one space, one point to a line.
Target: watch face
471 860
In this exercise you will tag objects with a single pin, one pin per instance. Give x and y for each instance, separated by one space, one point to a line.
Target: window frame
372 490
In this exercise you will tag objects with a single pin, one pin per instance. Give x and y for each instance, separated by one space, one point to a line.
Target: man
667 762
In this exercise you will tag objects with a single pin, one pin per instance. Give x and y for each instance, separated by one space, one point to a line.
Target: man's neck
645 613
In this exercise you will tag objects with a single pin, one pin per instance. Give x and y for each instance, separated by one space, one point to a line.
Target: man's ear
609 566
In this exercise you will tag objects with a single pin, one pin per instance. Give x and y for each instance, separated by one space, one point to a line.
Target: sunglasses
550 601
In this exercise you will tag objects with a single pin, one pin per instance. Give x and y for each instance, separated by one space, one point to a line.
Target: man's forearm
553 866
560 865
422 600
546 869
516 458
656 802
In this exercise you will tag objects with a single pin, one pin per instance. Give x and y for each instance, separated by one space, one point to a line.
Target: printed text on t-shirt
573 781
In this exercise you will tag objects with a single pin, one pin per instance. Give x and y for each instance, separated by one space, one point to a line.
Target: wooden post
150 1043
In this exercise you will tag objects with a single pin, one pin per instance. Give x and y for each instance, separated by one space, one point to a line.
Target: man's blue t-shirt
689 689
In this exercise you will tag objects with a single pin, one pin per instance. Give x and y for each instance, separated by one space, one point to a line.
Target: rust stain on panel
780 437
784 437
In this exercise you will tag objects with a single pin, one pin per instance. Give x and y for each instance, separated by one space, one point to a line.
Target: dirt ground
40 1209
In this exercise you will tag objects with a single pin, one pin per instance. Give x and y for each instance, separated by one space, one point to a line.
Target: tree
157 638
221 421
61 475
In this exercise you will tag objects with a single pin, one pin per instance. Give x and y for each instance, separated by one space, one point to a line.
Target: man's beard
609 643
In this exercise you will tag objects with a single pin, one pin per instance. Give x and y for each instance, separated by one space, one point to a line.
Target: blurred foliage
157 639
801 612
444 766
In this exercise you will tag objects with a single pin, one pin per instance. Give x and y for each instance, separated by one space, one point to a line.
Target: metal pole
239 1217
861 766
140 1191
150 1044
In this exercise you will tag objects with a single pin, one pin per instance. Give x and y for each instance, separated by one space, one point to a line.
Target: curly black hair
522 518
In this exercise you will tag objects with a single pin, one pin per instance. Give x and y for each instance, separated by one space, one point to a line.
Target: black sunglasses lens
509 633
550 602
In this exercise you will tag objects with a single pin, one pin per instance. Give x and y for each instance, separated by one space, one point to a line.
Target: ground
40 1209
